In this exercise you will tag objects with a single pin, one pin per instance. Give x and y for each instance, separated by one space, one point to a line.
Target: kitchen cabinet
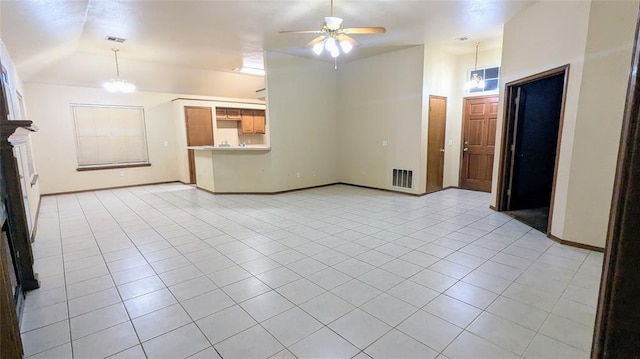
253 122
227 114
233 114
221 113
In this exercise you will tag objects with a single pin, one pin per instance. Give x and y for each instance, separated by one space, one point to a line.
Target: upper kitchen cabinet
253 122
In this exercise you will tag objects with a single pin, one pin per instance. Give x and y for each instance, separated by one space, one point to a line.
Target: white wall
380 99
583 34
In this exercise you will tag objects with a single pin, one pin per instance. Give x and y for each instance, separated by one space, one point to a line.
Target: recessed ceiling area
65 42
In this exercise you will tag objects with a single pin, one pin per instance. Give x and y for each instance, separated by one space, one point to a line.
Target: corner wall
598 50
303 118
381 99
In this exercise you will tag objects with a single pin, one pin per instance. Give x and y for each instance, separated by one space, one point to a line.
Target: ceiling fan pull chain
335 63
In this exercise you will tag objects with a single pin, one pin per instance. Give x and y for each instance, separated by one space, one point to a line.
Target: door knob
465 149
442 150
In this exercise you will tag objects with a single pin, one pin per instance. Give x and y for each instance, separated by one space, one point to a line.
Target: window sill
111 167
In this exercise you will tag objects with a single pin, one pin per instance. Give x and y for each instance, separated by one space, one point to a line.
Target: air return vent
402 178
116 39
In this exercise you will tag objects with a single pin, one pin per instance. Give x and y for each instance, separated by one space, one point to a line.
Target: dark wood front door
478 142
435 142
199 133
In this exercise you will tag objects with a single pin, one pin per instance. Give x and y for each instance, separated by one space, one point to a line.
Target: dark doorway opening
531 140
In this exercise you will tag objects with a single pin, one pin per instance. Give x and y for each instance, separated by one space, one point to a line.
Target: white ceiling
49 40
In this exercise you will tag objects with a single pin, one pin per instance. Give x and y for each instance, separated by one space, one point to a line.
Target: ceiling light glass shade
330 44
333 23
346 46
476 83
119 85
317 48
335 53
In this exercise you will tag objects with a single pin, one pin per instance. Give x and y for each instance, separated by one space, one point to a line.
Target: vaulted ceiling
62 41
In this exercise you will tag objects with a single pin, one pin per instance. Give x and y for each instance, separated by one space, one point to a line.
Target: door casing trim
507 119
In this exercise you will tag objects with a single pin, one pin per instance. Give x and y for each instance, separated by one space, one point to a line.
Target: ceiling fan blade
315 41
349 39
364 30
301 32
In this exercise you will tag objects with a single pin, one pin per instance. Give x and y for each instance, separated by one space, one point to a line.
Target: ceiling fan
333 36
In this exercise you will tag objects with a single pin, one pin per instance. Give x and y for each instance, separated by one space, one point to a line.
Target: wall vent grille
402 178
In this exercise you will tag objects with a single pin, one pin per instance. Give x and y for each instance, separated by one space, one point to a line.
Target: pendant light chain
115 53
476 65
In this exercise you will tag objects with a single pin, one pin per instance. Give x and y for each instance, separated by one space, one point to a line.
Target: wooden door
436 142
478 142
199 133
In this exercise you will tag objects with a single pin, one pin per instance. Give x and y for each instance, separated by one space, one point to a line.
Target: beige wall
380 99
303 116
302 122
598 49
55 149
599 115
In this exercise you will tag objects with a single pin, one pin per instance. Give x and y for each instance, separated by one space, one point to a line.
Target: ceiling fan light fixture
346 46
330 44
333 23
317 48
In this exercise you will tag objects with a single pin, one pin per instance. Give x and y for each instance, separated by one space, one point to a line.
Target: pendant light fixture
476 81
118 84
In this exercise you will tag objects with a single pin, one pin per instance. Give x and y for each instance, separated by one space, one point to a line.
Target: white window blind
110 136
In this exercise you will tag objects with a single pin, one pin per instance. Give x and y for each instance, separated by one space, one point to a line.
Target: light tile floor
168 271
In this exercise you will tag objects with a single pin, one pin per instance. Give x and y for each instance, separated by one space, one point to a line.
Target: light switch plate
385 143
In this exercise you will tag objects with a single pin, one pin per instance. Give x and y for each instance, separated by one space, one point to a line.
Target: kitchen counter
230 148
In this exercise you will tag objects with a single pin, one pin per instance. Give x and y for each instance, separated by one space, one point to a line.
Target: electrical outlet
121 173
298 174
166 143
385 143
364 173
315 173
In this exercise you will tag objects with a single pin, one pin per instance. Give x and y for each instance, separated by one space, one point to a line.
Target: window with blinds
109 136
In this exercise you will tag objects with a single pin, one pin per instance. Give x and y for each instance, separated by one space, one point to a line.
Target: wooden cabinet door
221 113
247 122
233 113
259 121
